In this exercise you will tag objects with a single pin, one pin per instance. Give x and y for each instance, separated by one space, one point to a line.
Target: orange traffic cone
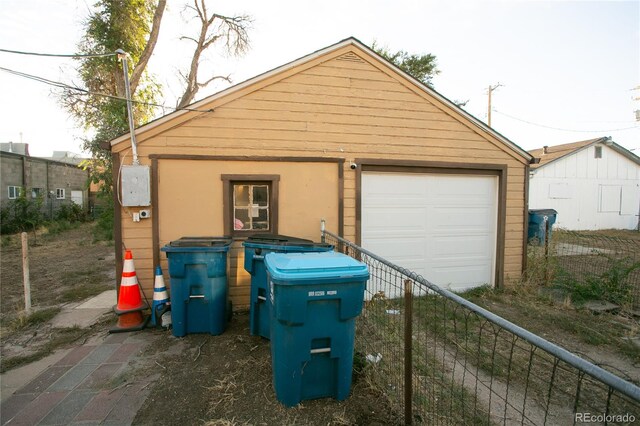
130 304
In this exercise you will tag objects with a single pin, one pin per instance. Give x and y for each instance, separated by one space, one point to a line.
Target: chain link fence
440 359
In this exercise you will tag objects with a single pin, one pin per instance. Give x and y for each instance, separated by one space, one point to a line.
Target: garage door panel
404 219
452 219
455 275
403 247
461 219
462 247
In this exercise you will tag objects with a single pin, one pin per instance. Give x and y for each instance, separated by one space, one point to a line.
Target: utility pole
489 91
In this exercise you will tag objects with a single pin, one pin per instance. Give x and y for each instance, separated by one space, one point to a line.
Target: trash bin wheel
229 310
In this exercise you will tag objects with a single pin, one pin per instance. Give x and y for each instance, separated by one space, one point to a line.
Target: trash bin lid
199 244
282 241
277 239
543 212
295 267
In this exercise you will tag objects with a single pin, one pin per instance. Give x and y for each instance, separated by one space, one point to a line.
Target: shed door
441 226
76 197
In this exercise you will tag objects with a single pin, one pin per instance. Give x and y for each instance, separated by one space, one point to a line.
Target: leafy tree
422 67
131 25
134 26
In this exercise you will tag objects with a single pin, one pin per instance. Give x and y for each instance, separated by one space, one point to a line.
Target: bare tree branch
189 38
226 78
232 29
148 49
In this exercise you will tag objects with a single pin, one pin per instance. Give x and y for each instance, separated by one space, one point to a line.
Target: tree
422 67
134 26
233 30
131 25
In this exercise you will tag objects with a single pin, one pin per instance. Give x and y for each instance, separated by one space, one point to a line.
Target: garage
442 226
339 135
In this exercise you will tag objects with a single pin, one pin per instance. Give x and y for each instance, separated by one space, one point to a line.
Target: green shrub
71 213
612 285
21 215
104 225
59 226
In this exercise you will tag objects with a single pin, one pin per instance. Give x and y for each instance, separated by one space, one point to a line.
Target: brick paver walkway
88 386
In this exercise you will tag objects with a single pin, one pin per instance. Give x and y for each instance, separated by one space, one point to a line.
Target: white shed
593 184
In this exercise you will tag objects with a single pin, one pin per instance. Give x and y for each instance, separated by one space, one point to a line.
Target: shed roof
557 152
16 148
199 107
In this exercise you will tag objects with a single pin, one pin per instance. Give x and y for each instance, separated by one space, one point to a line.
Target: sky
567 69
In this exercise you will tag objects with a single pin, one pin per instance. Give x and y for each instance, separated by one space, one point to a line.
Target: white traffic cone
160 312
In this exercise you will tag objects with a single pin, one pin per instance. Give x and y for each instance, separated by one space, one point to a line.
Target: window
598 152
14 192
37 192
60 193
250 204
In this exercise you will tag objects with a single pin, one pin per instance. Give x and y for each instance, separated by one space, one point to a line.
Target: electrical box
135 186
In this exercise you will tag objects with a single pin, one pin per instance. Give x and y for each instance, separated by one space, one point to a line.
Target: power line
55 55
563 130
87 92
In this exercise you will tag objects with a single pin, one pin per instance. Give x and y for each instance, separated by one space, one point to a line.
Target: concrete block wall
10 175
42 173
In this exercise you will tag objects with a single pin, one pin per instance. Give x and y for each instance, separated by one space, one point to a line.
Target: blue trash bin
256 248
198 278
315 298
537 226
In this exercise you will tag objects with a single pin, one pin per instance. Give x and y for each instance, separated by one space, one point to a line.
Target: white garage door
440 226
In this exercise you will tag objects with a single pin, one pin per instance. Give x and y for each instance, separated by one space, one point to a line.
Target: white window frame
60 193
13 191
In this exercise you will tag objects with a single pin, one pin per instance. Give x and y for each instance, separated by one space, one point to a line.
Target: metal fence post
408 352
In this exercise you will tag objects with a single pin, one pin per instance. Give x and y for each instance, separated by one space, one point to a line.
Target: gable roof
557 152
200 107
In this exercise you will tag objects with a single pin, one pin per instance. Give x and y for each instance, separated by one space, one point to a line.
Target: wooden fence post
25 273
408 352
547 229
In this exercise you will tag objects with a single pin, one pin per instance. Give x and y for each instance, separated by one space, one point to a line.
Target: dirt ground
64 267
226 379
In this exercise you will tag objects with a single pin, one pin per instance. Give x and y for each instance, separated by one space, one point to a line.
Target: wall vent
350 57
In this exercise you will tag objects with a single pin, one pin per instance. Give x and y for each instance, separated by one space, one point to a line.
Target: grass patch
58 227
23 321
526 310
59 337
